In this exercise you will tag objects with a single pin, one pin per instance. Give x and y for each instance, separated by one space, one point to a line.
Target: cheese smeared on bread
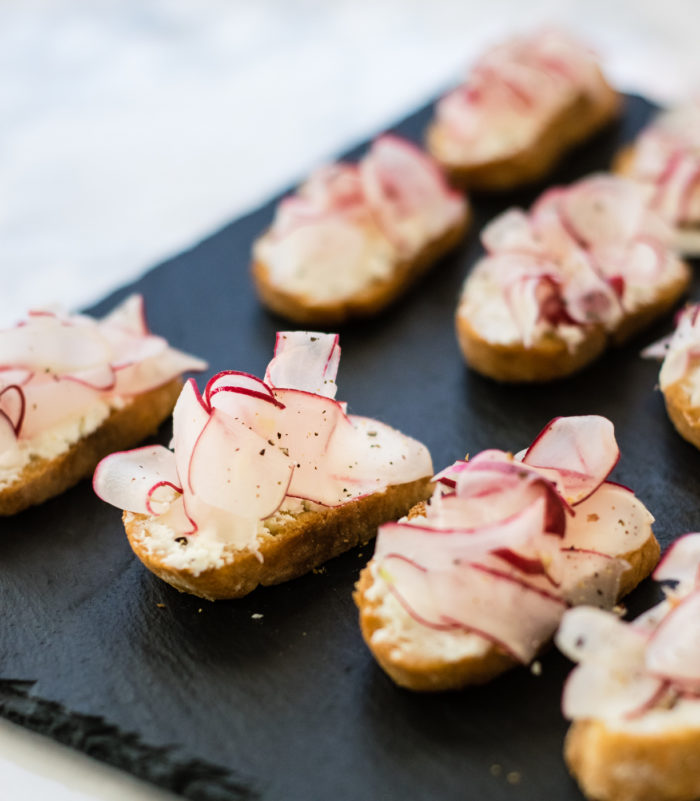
355 235
71 389
589 264
478 580
266 479
525 102
635 695
665 159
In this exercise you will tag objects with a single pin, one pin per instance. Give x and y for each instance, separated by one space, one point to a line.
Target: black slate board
205 700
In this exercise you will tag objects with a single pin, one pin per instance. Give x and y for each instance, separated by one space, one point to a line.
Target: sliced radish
582 449
50 401
585 576
305 360
190 415
13 406
8 435
610 521
234 469
681 563
129 315
587 634
129 479
510 231
674 647
155 371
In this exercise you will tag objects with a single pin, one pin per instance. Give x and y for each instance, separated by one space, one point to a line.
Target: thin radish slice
681 563
235 381
510 231
233 469
13 406
50 401
610 521
585 577
129 315
587 634
305 360
190 415
437 548
128 479
101 378
582 449
674 647
8 436
155 372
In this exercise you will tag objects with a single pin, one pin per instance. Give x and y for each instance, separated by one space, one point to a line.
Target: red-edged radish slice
223 391
681 563
50 401
585 577
305 360
603 209
234 469
13 406
190 415
511 232
129 315
587 634
611 520
155 371
8 435
582 449
673 652
129 479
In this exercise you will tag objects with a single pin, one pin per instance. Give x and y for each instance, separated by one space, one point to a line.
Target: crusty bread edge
550 358
684 416
304 311
430 673
42 479
575 123
312 538
623 765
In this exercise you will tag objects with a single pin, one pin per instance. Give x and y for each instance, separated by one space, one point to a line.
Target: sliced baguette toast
43 478
628 764
683 414
382 292
424 660
287 550
572 125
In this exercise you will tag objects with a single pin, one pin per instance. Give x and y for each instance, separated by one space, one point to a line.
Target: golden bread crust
684 416
296 548
42 479
575 123
305 311
625 765
429 672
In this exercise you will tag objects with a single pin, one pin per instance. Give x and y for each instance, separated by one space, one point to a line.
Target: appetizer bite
679 378
589 265
265 479
634 697
356 236
73 389
475 581
525 103
665 159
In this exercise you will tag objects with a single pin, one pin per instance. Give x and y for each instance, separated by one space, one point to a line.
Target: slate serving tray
204 699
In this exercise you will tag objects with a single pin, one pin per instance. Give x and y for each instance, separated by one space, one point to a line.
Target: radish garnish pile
507 544
55 367
513 92
626 670
584 255
244 446
667 162
680 351
351 223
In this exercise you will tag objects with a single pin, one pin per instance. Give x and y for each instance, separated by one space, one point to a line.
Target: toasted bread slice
375 297
43 478
423 659
684 415
634 763
577 121
287 548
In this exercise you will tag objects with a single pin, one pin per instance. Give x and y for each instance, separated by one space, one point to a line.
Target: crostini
525 103
265 480
665 158
356 236
679 378
589 265
634 697
73 389
475 581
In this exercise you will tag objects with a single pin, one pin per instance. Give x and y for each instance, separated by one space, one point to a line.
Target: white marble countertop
131 129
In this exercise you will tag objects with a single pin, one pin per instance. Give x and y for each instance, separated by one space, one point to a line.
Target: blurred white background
129 129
